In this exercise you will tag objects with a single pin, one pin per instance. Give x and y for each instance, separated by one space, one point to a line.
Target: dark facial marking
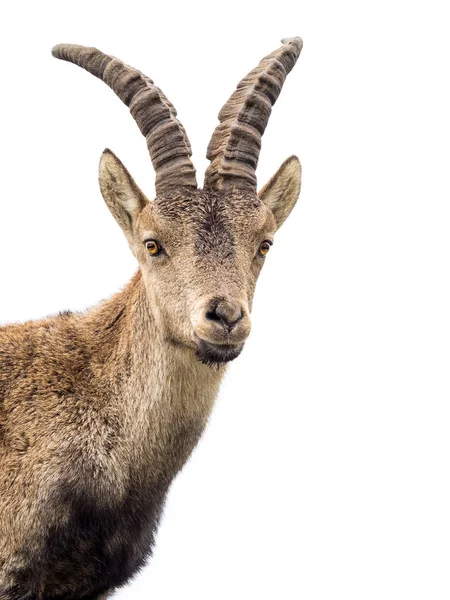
213 216
215 234
214 354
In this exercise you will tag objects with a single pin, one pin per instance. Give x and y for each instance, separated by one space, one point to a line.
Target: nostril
227 313
241 316
213 316
228 316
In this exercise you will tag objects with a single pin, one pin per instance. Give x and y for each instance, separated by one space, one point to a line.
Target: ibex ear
281 192
120 192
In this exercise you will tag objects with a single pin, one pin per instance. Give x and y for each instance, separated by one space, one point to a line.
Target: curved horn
166 138
236 142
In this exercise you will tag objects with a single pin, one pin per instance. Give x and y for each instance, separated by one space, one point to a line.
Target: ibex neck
161 392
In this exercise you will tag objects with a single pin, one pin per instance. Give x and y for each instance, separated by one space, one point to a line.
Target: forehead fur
190 205
209 214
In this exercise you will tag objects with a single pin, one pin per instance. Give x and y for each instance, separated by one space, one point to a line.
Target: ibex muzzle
221 325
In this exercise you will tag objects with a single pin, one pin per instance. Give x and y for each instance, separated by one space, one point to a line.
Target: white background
324 472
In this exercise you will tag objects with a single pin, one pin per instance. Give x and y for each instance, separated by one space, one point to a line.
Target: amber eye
153 247
265 247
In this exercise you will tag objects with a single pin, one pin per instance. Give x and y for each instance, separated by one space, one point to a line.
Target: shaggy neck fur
162 395
90 445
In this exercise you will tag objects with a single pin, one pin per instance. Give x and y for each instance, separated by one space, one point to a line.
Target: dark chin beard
214 355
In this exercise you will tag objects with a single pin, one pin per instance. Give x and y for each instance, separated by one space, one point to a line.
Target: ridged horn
166 138
236 142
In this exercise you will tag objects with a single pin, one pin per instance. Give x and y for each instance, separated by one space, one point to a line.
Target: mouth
216 354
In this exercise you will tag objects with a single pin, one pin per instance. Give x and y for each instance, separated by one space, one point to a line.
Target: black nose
226 312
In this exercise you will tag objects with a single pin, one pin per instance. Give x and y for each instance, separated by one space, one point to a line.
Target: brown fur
100 410
92 405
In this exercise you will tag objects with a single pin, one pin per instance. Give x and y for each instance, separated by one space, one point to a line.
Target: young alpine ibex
99 410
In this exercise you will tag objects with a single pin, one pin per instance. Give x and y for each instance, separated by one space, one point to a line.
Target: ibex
99 410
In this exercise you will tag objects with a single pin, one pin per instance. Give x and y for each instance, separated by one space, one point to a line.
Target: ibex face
206 268
200 251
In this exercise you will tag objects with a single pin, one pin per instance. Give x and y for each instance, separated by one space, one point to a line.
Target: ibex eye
265 247
153 247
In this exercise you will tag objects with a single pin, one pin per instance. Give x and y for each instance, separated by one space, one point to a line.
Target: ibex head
200 250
